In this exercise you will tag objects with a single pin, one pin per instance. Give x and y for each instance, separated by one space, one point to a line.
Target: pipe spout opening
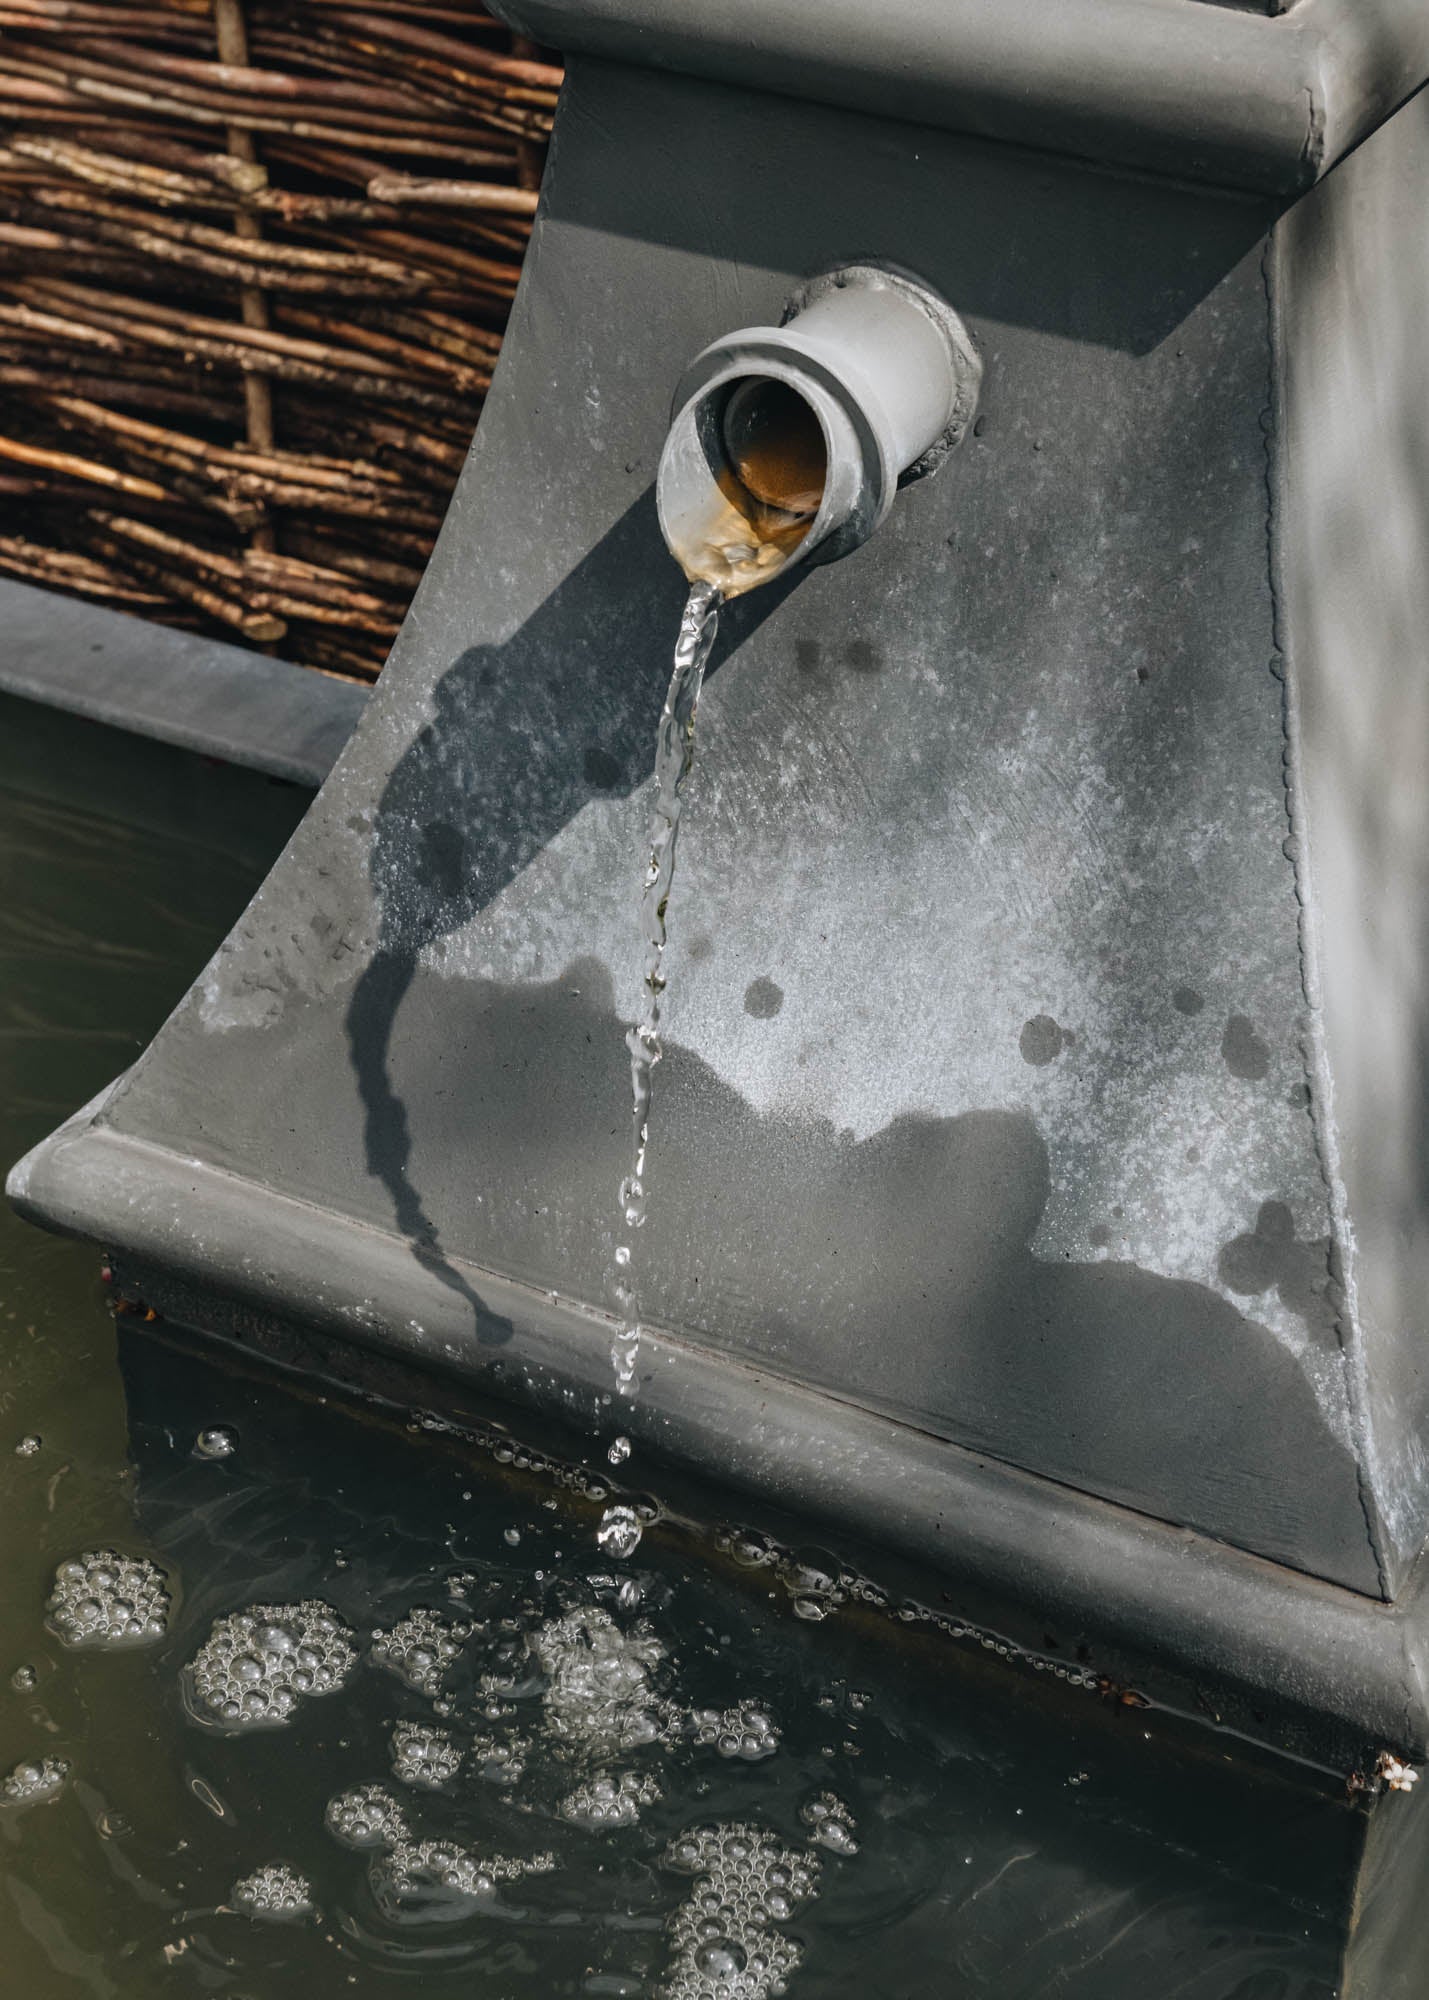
790 442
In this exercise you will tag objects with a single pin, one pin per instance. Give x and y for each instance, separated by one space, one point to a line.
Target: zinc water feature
389 1714
1033 1212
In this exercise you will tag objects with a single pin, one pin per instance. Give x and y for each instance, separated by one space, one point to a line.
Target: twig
404 189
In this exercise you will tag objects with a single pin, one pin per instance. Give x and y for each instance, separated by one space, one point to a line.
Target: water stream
674 757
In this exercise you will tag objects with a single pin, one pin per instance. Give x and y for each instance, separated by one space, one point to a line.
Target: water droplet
619 1451
511 1536
28 1446
23 1679
219 1441
619 1532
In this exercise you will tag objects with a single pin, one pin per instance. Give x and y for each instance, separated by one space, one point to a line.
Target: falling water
674 754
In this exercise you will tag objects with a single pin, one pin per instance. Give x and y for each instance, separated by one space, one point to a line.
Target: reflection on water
492 1762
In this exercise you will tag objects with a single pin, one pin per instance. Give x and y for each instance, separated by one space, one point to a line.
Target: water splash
674 757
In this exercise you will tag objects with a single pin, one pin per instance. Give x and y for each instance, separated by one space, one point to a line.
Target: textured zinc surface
984 1101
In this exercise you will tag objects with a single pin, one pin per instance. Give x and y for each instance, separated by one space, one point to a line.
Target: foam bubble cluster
257 1665
610 1801
723 1940
440 1880
745 1731
424 1755
366 1816
102 1599
599 1697
420 1648
28 1783
497 1760
274 1893
830 1823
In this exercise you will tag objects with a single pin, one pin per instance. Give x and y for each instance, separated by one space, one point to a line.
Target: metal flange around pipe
789 443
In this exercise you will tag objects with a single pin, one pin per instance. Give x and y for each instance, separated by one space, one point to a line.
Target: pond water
405 1727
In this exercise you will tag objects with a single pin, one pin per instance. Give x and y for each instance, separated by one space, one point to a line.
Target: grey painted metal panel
985 1105
197 693
1261 99
1353 279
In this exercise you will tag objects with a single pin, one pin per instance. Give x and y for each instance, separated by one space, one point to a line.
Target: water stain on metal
1246 1053
763 999
1270 1255
1042 1040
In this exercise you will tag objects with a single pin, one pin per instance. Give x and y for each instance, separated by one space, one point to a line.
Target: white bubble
722 1937
28 1446
830 1823
745 1731
606 1800
424 1755
258 1665
274 1893
598 1698
220 1441
105 1600
23 1679
619 1451
366 1816
31 1782
440 1880
498 1761
421 1648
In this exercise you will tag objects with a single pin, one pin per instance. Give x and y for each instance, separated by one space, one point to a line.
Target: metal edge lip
1349 1667
194 693
1265 103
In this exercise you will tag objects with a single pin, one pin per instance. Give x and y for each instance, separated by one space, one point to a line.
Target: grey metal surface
1353 528
984 1102
1257 98
197 693
985 1131
1318 1672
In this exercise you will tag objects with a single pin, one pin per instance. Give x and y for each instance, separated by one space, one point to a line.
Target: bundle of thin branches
256 258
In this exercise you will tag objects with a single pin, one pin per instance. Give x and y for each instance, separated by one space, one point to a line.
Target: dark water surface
829 1804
